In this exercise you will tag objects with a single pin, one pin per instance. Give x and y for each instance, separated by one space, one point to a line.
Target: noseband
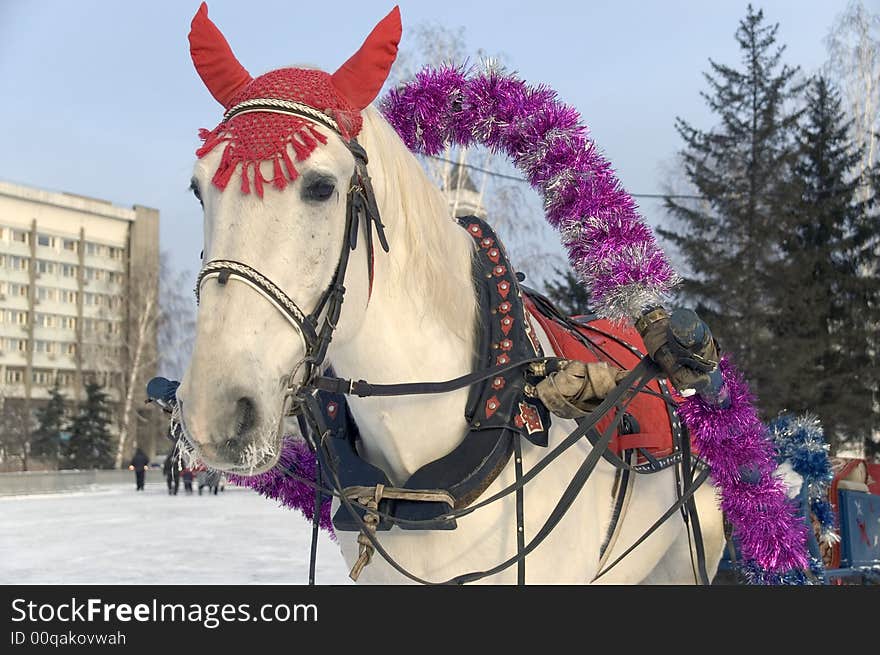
314 332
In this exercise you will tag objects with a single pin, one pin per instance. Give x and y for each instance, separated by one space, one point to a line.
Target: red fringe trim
303 140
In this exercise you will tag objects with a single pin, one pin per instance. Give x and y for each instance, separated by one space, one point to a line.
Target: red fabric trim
655 431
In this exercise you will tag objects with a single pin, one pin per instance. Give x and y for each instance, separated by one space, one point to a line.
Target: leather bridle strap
644 372
361 203
224 269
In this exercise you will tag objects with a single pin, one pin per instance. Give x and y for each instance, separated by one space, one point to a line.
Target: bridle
315 330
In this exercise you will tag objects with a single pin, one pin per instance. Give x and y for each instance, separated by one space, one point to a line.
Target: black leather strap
363 389
520 515
687 495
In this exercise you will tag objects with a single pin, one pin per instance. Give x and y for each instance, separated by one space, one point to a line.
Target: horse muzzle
231 434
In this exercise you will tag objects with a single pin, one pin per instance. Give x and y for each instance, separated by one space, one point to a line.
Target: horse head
273 240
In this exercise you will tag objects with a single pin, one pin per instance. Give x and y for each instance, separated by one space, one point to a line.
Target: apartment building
74 272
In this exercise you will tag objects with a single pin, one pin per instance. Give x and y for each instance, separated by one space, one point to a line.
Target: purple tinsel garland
295 458
615 254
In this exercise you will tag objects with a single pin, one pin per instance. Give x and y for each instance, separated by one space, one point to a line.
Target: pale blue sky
100 98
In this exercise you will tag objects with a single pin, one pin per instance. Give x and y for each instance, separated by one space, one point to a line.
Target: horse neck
416 328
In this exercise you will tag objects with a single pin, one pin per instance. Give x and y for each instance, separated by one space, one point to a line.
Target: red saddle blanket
613 344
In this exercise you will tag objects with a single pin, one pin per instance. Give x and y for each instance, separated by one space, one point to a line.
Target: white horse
415 325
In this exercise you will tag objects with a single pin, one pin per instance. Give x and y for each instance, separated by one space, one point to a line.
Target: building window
68 270
44 266
71 245
46 320
44 293
44 240
14 375
21 236
18 263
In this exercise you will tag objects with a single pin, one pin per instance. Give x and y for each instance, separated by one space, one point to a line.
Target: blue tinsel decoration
801 441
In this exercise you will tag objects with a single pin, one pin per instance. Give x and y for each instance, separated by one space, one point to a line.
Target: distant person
172 473
139 464
187 475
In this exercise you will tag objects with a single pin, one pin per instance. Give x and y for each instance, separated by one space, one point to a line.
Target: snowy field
111 534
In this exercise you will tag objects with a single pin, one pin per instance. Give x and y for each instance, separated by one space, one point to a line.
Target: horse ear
360 79
213 58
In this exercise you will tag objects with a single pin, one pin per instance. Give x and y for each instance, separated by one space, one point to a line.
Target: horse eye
194 187
319 190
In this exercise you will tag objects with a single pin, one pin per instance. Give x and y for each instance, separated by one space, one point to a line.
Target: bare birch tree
854 62
157 339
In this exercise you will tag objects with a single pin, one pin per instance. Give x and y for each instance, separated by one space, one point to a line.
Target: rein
300 399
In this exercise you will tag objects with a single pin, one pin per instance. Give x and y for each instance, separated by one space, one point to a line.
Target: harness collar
498 410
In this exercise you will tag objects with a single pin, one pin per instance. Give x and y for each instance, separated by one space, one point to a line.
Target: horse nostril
246 416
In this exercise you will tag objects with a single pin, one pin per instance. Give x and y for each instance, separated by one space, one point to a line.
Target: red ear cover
360 79
213 59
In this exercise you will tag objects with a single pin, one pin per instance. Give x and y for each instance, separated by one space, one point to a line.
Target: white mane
430 254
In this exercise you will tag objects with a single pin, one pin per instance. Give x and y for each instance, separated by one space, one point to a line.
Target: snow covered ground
111 534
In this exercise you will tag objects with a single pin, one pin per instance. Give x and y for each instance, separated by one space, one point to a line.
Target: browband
275 106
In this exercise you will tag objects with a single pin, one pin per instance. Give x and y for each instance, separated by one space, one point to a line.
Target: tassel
320 137
291 169
258 179
302 152
308 140
245 183
278 181
211 141
224 170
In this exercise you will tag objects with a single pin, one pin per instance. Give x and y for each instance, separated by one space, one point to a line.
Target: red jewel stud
506 344
492 406
498 271
498 383
504 307
502 359
506 324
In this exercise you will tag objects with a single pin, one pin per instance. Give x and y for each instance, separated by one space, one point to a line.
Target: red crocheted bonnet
266 115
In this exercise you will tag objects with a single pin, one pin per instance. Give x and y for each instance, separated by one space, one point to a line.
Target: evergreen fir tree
568 293
90 444
742 169
46 439
827 305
